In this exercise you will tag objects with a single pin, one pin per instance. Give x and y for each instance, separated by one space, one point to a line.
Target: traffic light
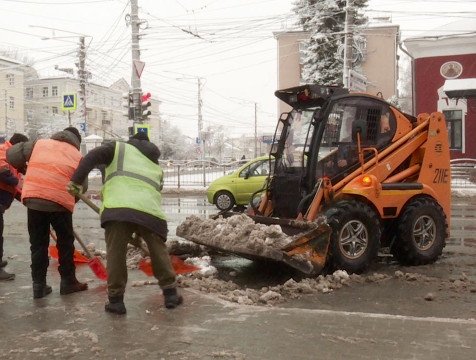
128 105
145 106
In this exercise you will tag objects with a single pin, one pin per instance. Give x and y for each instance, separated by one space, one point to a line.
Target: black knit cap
17 138
140 136
75 131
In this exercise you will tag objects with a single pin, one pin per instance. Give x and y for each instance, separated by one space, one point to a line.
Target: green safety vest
133 181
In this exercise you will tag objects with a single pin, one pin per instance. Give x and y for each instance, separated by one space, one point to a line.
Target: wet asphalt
206 327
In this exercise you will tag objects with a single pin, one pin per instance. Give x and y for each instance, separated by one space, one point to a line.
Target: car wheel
422 232
224 201
355 236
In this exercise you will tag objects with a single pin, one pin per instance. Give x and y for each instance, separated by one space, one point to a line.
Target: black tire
224 200
355 236
421 232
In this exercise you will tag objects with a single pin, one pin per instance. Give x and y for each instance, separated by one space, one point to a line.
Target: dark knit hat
140 136
75 131
17 138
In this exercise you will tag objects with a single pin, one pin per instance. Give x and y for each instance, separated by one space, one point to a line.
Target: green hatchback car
237 188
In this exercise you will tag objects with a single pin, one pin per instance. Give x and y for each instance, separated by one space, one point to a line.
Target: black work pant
1 235
39 223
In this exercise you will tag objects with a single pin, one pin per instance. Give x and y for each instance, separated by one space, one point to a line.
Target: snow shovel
94 262
145 265
78 257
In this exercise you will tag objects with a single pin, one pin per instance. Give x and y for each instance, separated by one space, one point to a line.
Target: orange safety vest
51 165
4 164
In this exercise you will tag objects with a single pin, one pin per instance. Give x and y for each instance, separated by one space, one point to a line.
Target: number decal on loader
441 176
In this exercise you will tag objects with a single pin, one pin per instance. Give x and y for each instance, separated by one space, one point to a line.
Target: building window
29 93
454 120
45 109
12 102
54 110
54 91
11 79
45 92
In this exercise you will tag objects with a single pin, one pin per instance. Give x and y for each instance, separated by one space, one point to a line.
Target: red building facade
437 60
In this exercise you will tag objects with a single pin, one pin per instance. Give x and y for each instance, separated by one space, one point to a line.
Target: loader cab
333 146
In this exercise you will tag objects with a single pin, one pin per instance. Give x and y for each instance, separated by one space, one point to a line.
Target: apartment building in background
12 77
375 57
32 105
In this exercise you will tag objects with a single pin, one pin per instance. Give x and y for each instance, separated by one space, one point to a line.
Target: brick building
444 59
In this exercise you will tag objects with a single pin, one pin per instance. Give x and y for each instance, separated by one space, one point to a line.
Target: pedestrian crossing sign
69 102
142 128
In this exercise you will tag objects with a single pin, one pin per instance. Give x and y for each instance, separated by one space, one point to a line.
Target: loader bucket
298 244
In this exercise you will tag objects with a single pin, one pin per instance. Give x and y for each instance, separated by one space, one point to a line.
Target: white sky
227 43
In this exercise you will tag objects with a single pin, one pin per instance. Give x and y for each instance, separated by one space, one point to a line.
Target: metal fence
199 173
463 173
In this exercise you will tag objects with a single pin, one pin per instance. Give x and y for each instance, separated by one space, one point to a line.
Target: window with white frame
54 91
455 129
12 102
45 92
29 93
54 110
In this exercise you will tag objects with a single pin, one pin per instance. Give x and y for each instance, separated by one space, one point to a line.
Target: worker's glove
74 189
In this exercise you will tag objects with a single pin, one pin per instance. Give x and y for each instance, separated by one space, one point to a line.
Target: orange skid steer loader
359 173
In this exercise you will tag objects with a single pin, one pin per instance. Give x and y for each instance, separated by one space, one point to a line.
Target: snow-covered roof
93 137
463 27
10 60
455 38
460 87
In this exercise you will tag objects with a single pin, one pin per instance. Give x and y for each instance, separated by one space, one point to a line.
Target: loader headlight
367 180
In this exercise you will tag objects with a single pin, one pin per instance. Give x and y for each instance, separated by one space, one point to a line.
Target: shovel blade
180 267
78 257
306 251
98 268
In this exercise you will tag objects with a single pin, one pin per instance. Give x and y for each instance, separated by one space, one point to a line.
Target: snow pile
236 233
183 247
291 289
204 263
94 251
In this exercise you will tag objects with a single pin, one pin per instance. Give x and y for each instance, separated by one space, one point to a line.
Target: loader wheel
422 232
355 236
224 201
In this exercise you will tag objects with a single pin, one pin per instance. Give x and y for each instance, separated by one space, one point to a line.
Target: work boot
3 263
116 305
171 298
41 290
4 276
69 285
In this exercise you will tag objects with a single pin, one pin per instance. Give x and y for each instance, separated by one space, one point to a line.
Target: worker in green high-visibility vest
131 204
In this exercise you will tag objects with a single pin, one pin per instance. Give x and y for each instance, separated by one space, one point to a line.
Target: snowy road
381 317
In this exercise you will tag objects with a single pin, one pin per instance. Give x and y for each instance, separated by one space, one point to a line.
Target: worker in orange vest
51 163
10 181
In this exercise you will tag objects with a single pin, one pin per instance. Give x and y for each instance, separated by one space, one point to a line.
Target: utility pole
200 120
82 83
6 114
349 29
256 130
135 80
